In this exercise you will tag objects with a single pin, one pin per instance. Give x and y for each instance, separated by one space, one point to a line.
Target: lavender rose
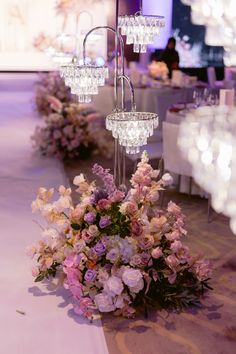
104 222
100 248
90 275
90 217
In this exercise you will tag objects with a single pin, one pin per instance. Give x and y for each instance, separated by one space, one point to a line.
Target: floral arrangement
50 85
69 132
117 252
42 42
66 7
158 70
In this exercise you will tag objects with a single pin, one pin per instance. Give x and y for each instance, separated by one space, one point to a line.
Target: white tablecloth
176 118
148 99
49 325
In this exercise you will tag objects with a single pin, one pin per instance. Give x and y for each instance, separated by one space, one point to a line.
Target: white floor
49 325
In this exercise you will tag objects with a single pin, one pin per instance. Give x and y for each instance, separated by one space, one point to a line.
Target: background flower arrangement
117 252
69 132
158 70
50 84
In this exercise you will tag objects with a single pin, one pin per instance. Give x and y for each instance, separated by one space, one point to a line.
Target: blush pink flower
157 252
202 269
35 272
146 242
173 208
136 228
172 261
129 208
104 204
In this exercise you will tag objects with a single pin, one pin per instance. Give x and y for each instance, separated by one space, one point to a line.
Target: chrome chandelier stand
129 128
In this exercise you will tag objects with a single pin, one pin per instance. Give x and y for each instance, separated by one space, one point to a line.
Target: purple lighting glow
163 8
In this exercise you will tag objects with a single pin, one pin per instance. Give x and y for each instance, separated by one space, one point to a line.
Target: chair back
173 160
211 75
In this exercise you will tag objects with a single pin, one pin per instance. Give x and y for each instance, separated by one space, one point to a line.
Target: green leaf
40 277
75 226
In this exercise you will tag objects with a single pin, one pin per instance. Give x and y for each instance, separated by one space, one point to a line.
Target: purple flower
90 217
107 178
98 195
100 248
90 275
104 221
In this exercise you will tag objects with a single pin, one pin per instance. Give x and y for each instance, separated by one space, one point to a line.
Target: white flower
122 300
113 286
133 279
104 302
167 179
51 237
113 255
64 202
78 179
64 192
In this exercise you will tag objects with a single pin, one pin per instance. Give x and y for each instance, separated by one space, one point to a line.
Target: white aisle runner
49 325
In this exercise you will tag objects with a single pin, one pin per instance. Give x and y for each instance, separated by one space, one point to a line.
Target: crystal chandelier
84 80
140 29
207 139
132 129
219 17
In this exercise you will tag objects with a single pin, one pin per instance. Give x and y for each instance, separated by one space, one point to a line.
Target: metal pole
141 6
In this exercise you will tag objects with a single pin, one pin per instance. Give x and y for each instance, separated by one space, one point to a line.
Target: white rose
167 179
78 179
133 279
113 286
104 302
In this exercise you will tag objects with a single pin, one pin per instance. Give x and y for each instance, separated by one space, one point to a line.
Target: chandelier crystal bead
84 80
140 30
132 129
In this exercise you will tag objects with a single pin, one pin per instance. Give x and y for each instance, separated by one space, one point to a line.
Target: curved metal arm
131 90
118 36
119 39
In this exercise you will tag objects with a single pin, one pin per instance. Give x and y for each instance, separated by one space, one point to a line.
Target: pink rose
104 204
173 208
86 236
172 261
146 242
136 228
129 208
93 230
117 196
176 246
157 252
175 235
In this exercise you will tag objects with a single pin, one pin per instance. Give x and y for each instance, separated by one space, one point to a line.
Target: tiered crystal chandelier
84 80
132 129
208 140
140 29
219 17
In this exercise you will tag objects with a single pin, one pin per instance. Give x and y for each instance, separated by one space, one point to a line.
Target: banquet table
33 319
175 116
148 99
